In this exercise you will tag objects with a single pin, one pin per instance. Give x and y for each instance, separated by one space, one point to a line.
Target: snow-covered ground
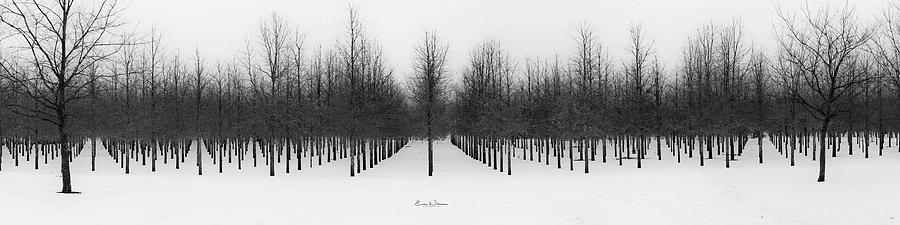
858 191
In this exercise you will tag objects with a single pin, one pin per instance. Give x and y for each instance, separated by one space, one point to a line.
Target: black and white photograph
468 112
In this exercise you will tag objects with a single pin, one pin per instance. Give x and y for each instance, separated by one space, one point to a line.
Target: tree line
78 74
829 78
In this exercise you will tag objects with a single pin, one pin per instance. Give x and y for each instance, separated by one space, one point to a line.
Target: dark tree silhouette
821 44
61 41
429 89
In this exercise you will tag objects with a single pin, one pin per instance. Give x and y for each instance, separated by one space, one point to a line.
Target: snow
858 191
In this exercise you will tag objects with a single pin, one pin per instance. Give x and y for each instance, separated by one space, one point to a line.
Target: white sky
525 28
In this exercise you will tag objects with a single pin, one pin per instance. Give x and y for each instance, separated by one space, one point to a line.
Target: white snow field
857 191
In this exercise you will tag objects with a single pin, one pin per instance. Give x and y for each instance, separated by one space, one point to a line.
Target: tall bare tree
639 50
60 40
199 81
352 49
274 35
429 88
760 79
821 43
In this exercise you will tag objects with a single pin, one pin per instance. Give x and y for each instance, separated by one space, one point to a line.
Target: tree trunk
199 158
701 142
509 152
603 149
658 148
66 153
176 148
558 152
300 145
586 162
822 137
271 156
287 156
571 157
639 144
93 154
64 159
850 142
759 143
728 153
430 153
352 171
220 150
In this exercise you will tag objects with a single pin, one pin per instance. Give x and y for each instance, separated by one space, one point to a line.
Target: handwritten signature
432 203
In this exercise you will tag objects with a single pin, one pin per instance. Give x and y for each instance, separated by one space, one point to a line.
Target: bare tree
657 71
199 82
760 75
429 87
299 72
154 61
60 41
821 44
731 56
352 49
590 66
639 52
274 36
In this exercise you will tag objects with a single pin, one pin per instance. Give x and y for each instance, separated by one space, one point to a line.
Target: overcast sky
525 28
